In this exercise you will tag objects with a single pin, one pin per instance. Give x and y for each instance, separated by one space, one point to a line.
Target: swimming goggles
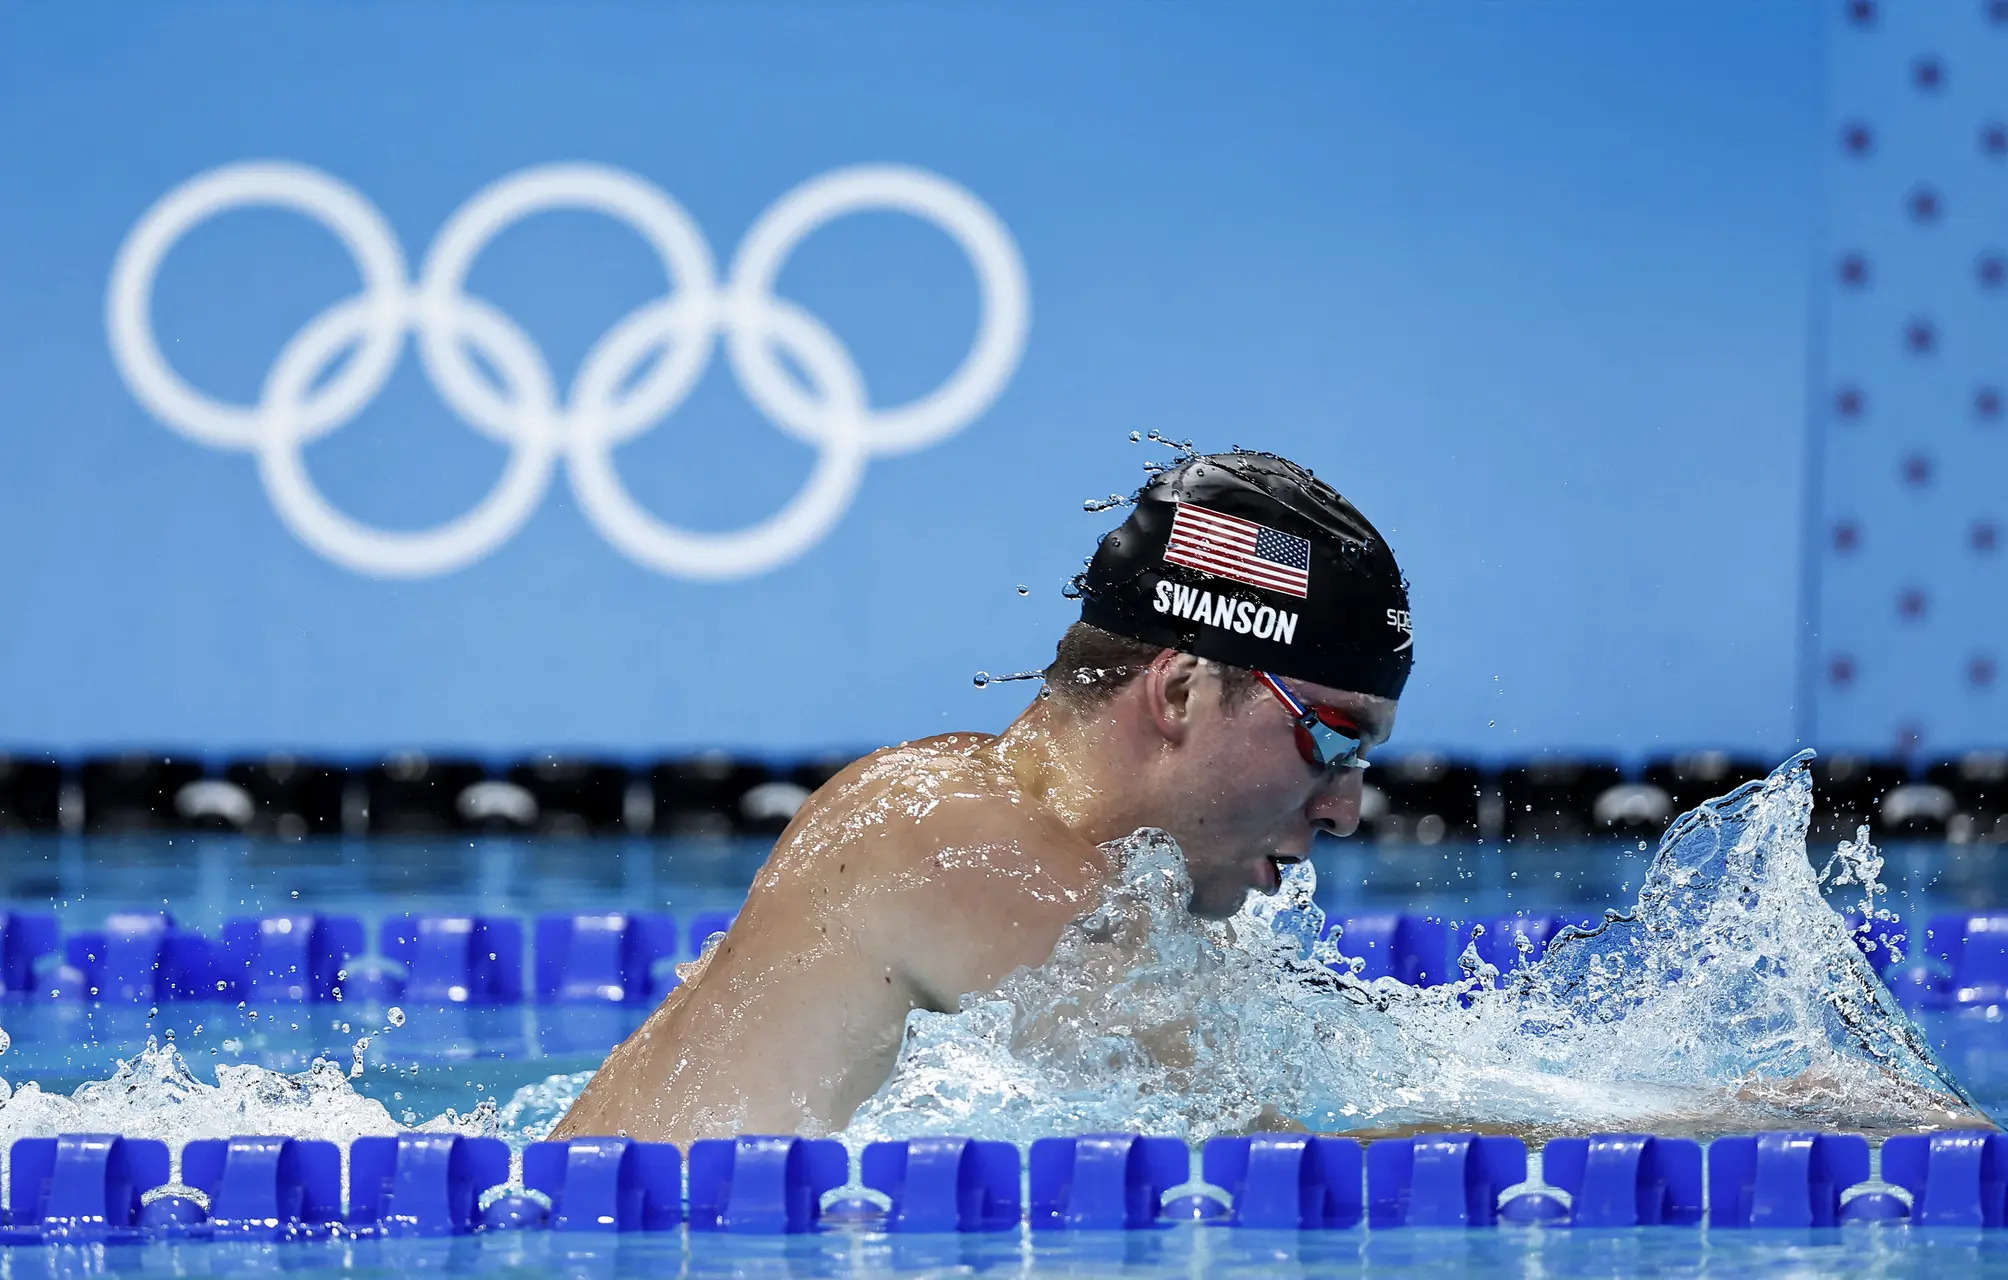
1327 738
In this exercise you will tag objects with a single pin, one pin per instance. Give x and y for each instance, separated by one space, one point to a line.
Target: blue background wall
1909 442
1528 282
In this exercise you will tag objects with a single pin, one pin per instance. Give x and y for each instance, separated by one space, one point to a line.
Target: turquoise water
459 1057
1176 1251
498 1070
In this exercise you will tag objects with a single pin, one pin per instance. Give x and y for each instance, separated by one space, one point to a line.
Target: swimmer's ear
1170 683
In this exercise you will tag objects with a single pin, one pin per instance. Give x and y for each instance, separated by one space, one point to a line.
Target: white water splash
155 1095
535 1109
1730 997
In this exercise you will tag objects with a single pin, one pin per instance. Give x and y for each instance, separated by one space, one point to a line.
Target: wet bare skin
929 871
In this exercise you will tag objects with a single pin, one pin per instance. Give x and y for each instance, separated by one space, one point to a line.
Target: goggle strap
1297 709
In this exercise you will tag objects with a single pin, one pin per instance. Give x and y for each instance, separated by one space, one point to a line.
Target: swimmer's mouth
1277 861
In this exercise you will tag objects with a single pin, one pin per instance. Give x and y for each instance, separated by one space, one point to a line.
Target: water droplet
394 1016
1024 590
980 679
6 1042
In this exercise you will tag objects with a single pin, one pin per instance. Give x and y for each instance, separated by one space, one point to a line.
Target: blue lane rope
621 958
106 1188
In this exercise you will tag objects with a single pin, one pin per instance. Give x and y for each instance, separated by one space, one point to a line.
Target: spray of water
1730 997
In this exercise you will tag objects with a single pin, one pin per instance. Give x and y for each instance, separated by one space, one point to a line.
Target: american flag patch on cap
1230 547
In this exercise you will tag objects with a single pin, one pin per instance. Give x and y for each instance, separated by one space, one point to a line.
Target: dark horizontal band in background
1416 798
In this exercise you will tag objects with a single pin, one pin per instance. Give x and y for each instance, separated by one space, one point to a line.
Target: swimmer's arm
989 896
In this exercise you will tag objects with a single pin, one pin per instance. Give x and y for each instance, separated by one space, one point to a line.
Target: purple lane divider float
1449 1180
457 959
607 1184
945 1184
1955 1179
81 1186
269 1187
290 959
1104 1181
607 956
618 958
25 937
120 962
137 958
1499 946
1975 950
1783 1179
1287 1181
1414 949
422 1184
1626 1179
763 1185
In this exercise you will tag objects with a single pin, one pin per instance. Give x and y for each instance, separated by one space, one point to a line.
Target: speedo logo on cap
1243 617
1399 620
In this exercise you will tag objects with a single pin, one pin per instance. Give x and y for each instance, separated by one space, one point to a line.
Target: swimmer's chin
1200 906
1268 882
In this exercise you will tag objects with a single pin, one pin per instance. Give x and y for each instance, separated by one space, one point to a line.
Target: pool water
498 1069
1187 1251
459 1056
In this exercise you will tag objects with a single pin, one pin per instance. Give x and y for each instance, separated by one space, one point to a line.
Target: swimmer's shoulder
890 796
919 754
927 794
921 762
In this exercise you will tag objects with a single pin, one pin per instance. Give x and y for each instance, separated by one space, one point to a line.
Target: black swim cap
1248 559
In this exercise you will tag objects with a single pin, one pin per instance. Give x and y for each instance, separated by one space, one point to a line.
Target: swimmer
1243 642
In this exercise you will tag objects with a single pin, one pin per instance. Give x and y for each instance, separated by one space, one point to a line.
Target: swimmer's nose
1335 810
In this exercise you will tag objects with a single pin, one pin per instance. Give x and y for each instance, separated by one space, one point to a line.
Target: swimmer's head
1231 567
1250 560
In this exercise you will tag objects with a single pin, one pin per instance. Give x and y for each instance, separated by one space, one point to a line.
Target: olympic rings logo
607 403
